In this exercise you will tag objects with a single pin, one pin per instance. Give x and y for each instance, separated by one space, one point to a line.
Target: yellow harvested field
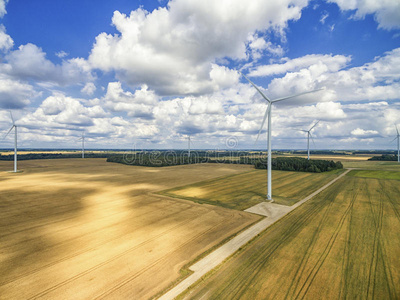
87 229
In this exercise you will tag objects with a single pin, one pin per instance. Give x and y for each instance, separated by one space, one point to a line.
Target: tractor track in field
377 216
344 281
134 276
300 270
65 258
314 271
396 211
119 255
49 222
381 245
71 227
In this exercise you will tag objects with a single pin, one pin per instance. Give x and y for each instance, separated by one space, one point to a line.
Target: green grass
343 243
373 165
375 174
241 191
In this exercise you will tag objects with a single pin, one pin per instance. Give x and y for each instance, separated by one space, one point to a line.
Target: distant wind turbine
14 126
189 144
398 144
83 144
308 139
268 114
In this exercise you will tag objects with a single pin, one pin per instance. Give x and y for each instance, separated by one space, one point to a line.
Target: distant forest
52 156
385 157
301 165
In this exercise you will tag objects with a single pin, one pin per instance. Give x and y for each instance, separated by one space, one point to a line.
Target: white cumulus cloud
386 12
89 88
172 49
3 10
6 42
30 62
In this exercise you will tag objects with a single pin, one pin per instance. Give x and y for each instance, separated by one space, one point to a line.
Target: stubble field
87 229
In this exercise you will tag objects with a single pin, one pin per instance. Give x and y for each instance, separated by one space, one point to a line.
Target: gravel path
274 212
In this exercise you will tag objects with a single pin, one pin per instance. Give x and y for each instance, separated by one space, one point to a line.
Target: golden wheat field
87 229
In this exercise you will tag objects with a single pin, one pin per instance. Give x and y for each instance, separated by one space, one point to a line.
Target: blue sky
151 72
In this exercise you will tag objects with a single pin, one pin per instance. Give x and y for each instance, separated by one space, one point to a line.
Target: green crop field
241 191
375 174
343 243
373 165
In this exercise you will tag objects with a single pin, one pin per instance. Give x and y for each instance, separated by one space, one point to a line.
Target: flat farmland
87 229
241 191
343 243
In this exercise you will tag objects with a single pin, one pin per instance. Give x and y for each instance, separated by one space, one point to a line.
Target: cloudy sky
152 72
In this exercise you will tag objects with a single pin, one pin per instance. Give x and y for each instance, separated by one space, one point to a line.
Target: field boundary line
212 260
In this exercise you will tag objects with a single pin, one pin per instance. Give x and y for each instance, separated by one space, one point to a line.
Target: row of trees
154 159
384 157
301 165
171 158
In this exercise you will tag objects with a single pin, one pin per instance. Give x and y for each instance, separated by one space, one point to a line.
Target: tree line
30 156
171 158
384 157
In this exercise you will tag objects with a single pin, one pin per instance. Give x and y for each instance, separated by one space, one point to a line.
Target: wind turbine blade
12 118
289 97
262 94
312 140
303 130
8 131
394 139
263 122
396 129
314 125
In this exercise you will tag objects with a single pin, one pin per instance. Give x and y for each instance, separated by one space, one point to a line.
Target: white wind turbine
83 144
268 114
14 126
398 144
308 139
189 143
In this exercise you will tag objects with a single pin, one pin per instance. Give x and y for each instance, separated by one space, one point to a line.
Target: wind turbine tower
398 144
14 126
189 146
268 114
308 139
83 144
